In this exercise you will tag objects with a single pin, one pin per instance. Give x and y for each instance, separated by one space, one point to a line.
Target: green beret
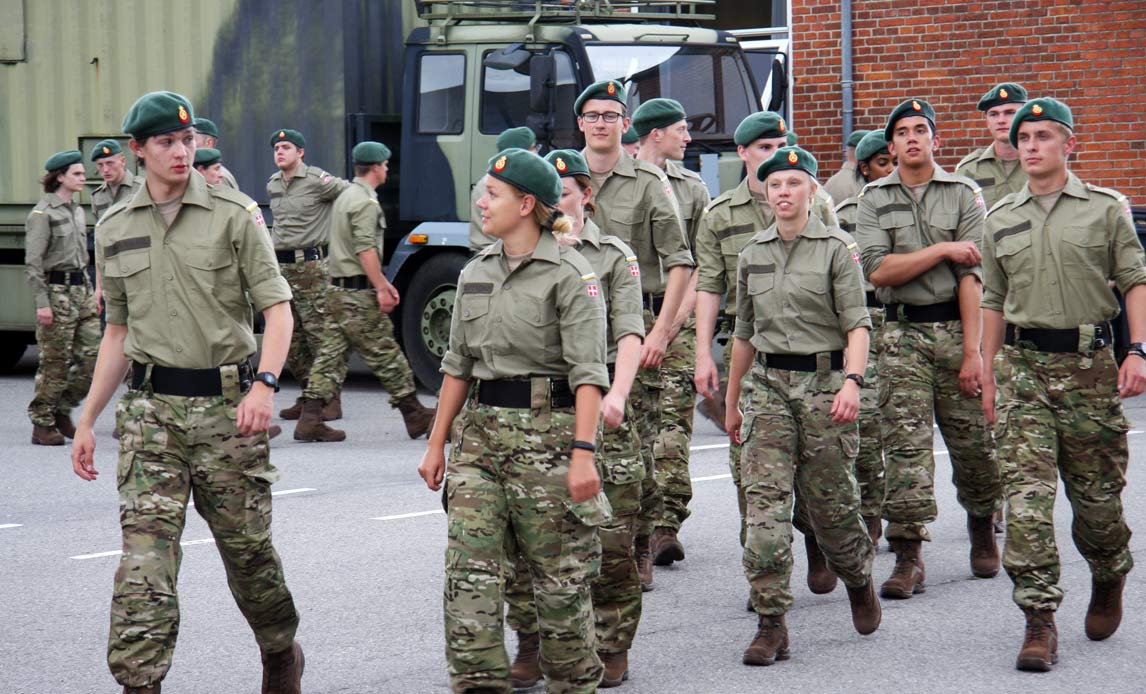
287 135
630 136
872 144
105 148
206 126
157 113
605 89
206 156
1005 93
568 162
788 158
521 138
528 173
62 160
758 125
369 152
856 136
911 107
793 138
1043 108
657 113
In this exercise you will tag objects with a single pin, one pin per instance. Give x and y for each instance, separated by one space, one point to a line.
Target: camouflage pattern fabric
68 349
791 444
355 321
172 448
1060 415
309 283
647 397
670 449
918 385
506 476
869 462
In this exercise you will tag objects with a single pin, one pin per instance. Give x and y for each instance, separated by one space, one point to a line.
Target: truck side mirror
542 84
779 86
510 57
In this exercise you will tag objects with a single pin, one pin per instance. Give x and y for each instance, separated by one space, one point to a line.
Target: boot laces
279 667
1036 628
766 627
904 566
1107 598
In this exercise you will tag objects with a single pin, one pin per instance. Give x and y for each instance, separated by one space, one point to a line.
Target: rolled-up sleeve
625 310
875 242
972 215
1126 255
114 294
710 275
847 288
668 234
994 279
457 361
364 225
262 278
582 324
745 312
38 234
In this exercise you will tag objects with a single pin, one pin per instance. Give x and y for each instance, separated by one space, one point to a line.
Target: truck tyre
427 307
12 348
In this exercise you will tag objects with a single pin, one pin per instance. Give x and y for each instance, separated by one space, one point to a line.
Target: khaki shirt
228 178
183 291
301 207
107 195
546 318
845 183
691 195
356 224
478 238
803 300
56 239
636 204
727 225
986 170
619 277
847 212
1050 270
889 220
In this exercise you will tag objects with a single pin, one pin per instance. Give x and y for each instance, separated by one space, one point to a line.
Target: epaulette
719 199
846 203
655 170
1006 199
1122 200
620 245
970 157
233 196
112 211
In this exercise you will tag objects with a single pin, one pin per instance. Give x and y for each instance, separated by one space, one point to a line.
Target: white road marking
10 525
400 516
709 447
116 553
300 490
1133 432
712 477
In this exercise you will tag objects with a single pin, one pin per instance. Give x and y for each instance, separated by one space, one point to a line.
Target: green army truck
437 80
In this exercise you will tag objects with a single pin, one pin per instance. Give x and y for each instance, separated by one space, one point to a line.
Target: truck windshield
711 82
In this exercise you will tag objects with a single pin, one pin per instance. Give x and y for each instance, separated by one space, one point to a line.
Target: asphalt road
362 542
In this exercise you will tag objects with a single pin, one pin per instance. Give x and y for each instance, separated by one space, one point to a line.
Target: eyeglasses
592 116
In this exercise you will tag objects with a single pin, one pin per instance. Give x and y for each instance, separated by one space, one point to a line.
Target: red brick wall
1089 53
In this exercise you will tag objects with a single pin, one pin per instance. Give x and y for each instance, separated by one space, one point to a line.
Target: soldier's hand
583 481
387 299
964 253
653 350
98 296
846 405
44 316
970 375
1132 376
433 467
613 409
254 413
706 378
732 422
83 454
989 397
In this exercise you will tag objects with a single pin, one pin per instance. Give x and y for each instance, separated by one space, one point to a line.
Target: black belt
873 302
653 302
1062 340
355 282
190 383
798 362
518 393
299 255
930 313
67 277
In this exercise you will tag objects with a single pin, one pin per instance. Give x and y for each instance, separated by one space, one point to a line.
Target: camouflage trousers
355 321
670 449
869 462
919 384
791 443
309 284
68 349
647 397
172 448
1060 415
505 486
616 592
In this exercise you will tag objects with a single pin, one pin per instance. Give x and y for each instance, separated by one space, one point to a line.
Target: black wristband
585 446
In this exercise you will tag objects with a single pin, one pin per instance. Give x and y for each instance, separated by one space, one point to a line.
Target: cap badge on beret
792 158
1037 110
915 105
782 126
499 165
1003 93
183 115
560 165
282 134
612 89
106 150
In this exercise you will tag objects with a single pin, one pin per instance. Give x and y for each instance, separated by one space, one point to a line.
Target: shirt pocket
900 226
811 299
944 226
760 285
1084 252
1014 256
624 220
134 270
540 325
474 309
212 276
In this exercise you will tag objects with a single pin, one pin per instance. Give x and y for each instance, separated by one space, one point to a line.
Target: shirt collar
1074 187
195 194
591 233
815 229
547 249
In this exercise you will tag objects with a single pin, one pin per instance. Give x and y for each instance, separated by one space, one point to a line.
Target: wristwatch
268 379
1138 349
858 378
585 446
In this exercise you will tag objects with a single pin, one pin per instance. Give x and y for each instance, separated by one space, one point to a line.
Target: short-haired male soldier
207 135
920 230
118 183
520 137
1048 253
847 182
995 168
209 164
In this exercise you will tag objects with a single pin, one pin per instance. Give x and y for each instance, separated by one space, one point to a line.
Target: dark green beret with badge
630 136
62 160
528 173
1043 108
568 162
105 148
1005 93
287 135
657 113
206 156
856 136
370 152
907 109
206 126
788 159
872 144
758 125
521 138
157 113
612 90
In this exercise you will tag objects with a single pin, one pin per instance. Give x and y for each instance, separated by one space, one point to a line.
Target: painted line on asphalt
400 516
116 553
712 477
10 525
709 446
300 490
1133 432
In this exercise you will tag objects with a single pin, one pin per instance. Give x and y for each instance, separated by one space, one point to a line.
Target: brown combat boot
821 580
644 563
149 689
909 573
999 521
310 426
866 612
771 642
526 670
1105 611
282 671
46 436
616 669
665 546
984 551
713 410
874 529
294 411
273 431
332 411
418 417
65 426
1040 643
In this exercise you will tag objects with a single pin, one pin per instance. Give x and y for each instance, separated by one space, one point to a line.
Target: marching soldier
995 168
209 164
521 138
118 183
207 135
847 182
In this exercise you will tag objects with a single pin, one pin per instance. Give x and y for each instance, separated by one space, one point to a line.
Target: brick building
1089 53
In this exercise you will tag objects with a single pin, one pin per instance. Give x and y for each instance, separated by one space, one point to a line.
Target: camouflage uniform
107 195
56 241
1059 414
179 291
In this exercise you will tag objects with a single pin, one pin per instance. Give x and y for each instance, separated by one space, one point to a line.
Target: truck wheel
428 306
12 348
